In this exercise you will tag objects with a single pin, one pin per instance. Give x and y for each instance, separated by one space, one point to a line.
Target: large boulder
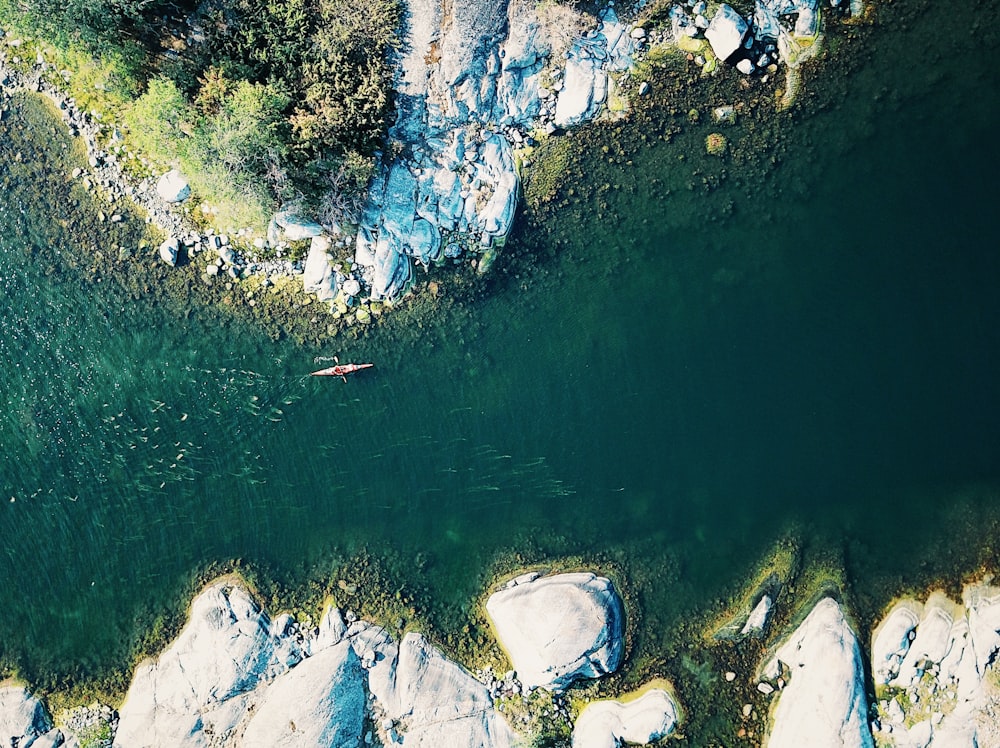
559 628
173 187
585 85
726 32
823 704
605 724
23 719
321 701
317 277
295 227
170 251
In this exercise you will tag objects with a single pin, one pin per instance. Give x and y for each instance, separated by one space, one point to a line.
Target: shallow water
810 345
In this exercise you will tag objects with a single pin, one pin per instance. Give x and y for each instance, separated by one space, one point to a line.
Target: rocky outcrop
469 91
321 701
235 678
930 664
200 682
559 628
606 724
427 700
23 720
823 703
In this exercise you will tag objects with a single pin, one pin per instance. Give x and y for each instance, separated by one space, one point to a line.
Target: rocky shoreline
235 676
480 86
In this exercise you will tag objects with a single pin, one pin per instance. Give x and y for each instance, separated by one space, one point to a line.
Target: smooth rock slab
560 628
891 642
823 704
605 724
317 277
225 649
295 227
319 702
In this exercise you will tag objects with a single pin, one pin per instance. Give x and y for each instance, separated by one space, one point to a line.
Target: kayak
341 370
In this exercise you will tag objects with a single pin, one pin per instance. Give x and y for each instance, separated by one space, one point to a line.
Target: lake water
693 375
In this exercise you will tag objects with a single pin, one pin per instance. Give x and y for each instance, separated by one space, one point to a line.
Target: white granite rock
726 32
605 724
757 619
170 251
23 719
440 703
320 702
295 227
823 704
224 650
173 187
317 277
932 641
891 642
559 628
584 88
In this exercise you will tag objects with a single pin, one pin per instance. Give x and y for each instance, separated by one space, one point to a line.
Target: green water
811 345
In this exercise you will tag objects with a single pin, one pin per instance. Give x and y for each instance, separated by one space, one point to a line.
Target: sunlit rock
319 702
317 277
605 724
170 251
938 687
758 617
223 652
560 628
823 704
434 702
585 85
173 187
726 32
23 719
295 227
892 642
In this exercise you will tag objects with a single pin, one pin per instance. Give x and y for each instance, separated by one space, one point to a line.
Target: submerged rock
560 628
823 703
605 724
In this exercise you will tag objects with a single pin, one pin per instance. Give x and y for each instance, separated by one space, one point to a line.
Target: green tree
161 119
250 129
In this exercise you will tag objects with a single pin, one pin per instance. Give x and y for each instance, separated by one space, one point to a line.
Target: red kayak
341 370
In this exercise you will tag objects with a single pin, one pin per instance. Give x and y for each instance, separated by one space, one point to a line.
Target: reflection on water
817 349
